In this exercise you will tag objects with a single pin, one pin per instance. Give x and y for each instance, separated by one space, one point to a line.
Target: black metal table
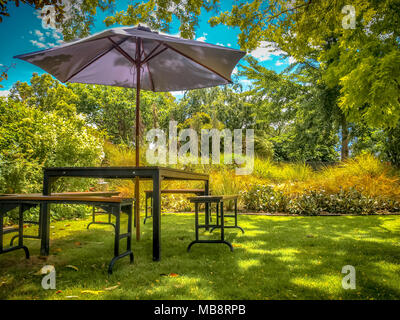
156 174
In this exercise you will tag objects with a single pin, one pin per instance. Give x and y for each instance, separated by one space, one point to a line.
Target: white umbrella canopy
138 58
110 58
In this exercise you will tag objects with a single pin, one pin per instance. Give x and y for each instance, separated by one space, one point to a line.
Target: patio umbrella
138 58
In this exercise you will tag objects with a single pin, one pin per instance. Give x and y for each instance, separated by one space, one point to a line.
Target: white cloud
38 44
38 33
292 60
229 45
279 63
57 35
202 38
4 93
266 51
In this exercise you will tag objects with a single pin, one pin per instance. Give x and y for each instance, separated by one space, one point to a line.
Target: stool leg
1 232
222 222
196 225
223 228
236 213
146 208
196 220
236 217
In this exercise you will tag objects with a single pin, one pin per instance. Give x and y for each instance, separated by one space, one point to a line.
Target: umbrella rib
92 61
147 65
199 63
122 51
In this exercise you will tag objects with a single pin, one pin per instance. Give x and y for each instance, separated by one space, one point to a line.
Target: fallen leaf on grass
96 292
77 243
169 275
111 288
70 266
58 292
236 245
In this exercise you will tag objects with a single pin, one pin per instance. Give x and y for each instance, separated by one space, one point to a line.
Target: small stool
234 215
219 201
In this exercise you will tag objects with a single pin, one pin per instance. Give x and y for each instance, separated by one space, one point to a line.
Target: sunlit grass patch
277 258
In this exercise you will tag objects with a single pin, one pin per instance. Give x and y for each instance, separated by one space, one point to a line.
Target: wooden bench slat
74 193
62 198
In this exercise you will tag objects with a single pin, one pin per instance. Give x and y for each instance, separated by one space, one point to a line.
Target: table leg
45 220
156 217
207 205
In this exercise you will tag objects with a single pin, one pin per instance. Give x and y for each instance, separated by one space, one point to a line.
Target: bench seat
112 205
219 200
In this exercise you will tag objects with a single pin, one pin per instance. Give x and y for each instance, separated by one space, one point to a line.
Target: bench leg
118 237
235 215
147 215
20 233
196 212
100 222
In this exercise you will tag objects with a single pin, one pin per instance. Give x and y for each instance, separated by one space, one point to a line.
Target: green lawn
277 258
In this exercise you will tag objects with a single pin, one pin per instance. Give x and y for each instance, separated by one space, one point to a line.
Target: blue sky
23 32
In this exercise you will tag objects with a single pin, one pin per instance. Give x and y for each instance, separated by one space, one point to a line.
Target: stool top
213 198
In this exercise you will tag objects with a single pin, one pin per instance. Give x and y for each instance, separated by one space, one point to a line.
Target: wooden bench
220 223
77 194
113 205
149 195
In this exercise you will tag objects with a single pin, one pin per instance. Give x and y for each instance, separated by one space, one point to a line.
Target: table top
124 172
213 198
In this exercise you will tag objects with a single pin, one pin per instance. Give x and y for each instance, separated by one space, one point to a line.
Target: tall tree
363 57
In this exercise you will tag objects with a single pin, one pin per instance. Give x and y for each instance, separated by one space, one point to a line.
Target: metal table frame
156 174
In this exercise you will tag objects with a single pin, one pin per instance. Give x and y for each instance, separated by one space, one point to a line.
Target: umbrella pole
137 189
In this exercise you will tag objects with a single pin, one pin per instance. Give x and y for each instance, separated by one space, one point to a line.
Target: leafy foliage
31 139
158 14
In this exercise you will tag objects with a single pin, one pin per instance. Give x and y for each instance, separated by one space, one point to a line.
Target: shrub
265 198
314 202
31 139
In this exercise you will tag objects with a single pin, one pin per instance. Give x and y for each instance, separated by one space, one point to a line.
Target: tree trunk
345 139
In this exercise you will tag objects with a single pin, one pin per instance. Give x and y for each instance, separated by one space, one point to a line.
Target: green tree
301 120
362 61
158 14
73 18
112 109
31 139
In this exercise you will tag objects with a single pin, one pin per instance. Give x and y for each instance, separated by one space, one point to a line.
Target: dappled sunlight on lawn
276 258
